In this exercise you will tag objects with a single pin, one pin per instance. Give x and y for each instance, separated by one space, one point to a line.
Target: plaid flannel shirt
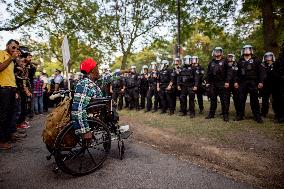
85 90
38 84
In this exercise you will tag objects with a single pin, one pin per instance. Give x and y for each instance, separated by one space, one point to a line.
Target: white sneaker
124 128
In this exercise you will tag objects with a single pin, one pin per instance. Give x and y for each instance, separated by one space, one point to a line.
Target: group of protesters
24 92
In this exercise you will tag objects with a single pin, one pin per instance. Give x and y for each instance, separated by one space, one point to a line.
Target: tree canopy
140 31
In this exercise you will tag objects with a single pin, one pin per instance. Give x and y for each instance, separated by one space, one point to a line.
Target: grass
241 149
214 129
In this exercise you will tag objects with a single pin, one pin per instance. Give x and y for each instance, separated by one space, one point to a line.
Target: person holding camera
8 93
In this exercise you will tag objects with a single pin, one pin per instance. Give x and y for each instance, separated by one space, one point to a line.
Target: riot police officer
125 95
164 87
152 89
187 82
219 75
250 78
143 85
232 90
201 87
106 80
116 88
131 86
278 91
269 82
175 73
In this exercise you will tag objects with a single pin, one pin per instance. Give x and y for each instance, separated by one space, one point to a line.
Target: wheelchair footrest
126 134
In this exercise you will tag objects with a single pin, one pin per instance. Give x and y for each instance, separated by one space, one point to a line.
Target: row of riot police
225 77
249 75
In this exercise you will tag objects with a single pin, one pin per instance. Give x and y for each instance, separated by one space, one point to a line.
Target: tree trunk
269 33
124 61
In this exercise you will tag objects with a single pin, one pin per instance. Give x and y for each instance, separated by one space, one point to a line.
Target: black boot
210 116
171 112
239 118
258 119
192 115
225 117
182 114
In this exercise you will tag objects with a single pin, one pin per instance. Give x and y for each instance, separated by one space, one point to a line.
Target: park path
25 166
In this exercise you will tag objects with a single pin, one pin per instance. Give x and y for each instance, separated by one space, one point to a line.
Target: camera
25 52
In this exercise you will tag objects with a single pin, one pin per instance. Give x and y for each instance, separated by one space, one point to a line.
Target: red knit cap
87 65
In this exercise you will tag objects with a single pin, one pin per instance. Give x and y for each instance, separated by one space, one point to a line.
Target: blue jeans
38 104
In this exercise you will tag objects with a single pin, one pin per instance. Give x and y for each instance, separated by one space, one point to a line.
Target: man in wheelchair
84 91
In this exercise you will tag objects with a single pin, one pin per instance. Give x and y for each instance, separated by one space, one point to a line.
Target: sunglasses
14 47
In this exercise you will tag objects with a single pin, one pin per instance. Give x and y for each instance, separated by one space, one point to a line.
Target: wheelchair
76 156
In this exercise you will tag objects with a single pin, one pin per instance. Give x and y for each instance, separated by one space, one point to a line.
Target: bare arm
5 64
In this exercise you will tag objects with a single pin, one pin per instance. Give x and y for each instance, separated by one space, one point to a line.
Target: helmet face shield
117 72
153 66
187 60
133 69
217 52
164 64
247 50
269 56
177 62
194 60
231 58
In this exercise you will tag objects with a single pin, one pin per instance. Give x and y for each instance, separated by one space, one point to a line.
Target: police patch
197 71
220 63
251 61
202 72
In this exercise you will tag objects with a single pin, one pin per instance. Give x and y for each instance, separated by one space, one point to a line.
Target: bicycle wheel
78 157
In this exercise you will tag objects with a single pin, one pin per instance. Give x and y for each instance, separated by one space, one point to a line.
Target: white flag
65 52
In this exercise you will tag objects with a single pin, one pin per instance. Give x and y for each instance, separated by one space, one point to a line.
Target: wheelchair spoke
91 156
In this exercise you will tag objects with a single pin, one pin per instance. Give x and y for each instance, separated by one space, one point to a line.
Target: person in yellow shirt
7 93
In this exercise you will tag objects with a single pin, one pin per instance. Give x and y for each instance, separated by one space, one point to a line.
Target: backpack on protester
55 122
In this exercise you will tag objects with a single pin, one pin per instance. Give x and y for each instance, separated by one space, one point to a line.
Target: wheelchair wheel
49 148
77 157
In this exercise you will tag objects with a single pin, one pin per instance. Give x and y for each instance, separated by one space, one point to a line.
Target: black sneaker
163 112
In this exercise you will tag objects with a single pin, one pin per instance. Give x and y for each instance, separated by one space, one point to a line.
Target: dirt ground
249 155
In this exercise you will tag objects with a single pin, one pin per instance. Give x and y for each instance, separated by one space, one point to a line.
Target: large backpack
55 122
